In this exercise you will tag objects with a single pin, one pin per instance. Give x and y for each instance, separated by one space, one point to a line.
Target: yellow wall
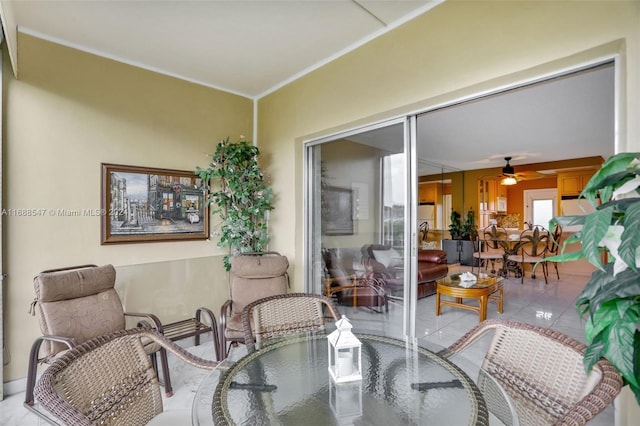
458 49
69 112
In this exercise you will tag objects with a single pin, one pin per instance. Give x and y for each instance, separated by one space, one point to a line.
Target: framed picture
142 204
339 217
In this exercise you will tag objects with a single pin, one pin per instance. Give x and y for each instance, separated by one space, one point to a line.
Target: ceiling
247 47
253 47
558 119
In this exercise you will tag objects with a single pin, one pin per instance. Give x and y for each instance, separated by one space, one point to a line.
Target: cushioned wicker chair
74 305
110 380
253 276
277 316
542 370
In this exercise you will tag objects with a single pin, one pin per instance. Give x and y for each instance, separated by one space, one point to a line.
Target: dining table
288 383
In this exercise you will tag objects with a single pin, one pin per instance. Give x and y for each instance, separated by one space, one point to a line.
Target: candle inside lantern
345 364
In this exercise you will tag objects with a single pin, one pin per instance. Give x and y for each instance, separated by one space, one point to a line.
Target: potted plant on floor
609 238
460 248
238 189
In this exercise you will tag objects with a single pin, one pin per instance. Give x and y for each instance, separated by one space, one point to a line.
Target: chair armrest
69 341
330 288
155 321
225 312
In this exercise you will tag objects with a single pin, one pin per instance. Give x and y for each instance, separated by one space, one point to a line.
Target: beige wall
457 49
69 112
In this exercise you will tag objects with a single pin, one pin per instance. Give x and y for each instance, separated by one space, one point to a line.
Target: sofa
432 265
385 264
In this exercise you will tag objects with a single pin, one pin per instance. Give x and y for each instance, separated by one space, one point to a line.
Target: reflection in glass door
356 223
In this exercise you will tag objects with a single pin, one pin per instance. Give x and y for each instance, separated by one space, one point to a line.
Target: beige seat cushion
255 277
79 303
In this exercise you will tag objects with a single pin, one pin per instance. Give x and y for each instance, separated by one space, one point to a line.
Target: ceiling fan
510 177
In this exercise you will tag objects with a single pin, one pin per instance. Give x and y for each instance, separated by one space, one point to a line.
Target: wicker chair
76 304
110 380
280 315
542 370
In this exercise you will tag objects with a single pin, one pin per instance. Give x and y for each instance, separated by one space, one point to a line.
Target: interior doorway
540 206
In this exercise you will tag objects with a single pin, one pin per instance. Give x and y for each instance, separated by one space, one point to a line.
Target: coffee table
483 290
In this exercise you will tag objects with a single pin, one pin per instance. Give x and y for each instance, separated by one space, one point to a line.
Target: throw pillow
389 258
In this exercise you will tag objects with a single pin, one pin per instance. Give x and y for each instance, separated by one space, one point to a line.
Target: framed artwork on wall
143 204
339 217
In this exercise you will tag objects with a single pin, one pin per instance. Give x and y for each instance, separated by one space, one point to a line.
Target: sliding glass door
359 219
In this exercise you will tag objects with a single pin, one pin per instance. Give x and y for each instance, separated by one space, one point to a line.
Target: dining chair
110 380
554 245
73 305
277 316
542 371
489 247
532 248
253 276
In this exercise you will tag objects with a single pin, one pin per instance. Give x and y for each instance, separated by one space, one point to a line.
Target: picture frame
339 217
145 204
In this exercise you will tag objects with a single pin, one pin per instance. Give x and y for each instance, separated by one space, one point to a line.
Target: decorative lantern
345 355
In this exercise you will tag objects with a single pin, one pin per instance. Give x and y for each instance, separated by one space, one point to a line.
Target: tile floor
551 305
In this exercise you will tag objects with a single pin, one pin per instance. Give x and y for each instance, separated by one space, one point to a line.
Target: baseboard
14 387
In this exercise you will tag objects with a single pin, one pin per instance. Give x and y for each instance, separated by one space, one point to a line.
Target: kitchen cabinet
492 196
572 183
427 193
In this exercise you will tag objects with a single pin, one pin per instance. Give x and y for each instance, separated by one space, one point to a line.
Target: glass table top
289 383
482 281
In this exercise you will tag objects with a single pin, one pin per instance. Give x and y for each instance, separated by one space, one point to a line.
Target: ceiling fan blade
529 175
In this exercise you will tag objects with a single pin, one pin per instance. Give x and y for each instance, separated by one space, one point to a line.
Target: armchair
110 380
253 276
74 305
285 314
348 288
543 372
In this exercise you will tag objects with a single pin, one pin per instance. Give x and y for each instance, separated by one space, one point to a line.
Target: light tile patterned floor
551 305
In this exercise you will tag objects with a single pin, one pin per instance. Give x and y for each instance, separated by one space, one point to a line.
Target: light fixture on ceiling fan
508 172
508 181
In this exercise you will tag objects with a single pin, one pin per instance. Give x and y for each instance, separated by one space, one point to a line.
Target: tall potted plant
609 238
460 249
238 189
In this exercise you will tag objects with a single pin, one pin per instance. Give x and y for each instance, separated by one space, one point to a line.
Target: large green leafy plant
238 190
610 237
460 230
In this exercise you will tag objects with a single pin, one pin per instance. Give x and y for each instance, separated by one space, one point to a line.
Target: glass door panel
356 220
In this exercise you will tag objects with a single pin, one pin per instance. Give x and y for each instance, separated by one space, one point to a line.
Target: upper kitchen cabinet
428 192
573 182
492 196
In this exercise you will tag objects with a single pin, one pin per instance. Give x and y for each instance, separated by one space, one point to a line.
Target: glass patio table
289 383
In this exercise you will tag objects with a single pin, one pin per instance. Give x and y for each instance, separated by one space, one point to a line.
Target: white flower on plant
611 241
628 190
